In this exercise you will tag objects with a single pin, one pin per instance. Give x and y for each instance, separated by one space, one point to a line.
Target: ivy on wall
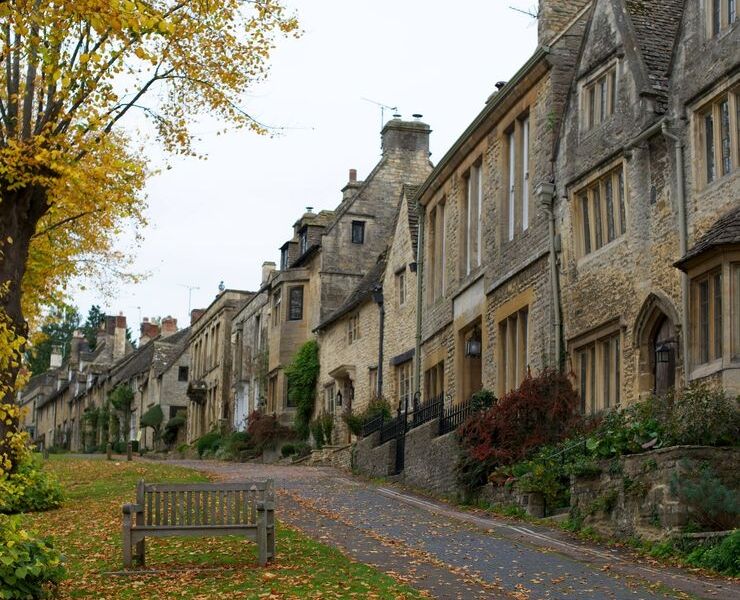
302 374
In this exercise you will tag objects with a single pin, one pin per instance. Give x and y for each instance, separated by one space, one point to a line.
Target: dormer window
721 15
284 259
599 98
304 241
358 232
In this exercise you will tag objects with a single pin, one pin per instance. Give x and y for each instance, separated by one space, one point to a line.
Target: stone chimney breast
405 136
56 357
268 267
169 326
196 314
148 331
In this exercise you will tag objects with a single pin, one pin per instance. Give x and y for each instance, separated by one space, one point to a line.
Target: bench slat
205 487
148 509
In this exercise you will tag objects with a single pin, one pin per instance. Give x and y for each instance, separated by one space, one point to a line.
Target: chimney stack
119 337
554 16
196 314
352 175
407 137
148 331
56 357
349 190
268 267
75 348
169 326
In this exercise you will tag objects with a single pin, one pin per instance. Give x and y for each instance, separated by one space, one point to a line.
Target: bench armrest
132 508
265 505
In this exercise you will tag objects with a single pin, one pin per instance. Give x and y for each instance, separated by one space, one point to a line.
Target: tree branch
63 222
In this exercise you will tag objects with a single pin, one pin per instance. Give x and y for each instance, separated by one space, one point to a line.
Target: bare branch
63 222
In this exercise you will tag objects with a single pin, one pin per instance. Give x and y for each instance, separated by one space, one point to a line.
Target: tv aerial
383 108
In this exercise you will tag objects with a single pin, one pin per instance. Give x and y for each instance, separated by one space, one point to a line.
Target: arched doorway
663 347
656 338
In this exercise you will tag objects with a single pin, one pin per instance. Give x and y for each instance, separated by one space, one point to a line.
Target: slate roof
362 292
413 217
725 231
133 364
169 350
656 24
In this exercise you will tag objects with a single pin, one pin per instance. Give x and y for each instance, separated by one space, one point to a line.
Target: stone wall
633 495
373 460
430 459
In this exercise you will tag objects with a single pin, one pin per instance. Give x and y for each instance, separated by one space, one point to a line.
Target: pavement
454 553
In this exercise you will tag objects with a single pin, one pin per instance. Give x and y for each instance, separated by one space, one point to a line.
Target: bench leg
140 552
261 538
126 539
271 535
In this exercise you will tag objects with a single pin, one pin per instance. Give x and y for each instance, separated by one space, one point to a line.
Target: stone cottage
647 168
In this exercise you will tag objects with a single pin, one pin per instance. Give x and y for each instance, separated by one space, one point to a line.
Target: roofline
493 103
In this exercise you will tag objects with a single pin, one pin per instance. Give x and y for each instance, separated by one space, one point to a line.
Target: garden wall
373 460
429 459
633 494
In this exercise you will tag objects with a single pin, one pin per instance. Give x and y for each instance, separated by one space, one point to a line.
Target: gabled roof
168 350
133 364
656 24
362 292
724 232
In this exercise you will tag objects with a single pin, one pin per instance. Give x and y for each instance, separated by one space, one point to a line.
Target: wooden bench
202 510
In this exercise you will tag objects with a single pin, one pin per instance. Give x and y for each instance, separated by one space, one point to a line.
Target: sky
219 219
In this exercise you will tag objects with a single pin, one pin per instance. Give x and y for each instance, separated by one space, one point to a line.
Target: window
513 350
303 241
599 98
707 317
329 398
721 14
276 299
434 379
353 328
295 303
182 373
437 251
718 121
372 374
403 384
518 176
284 259
272 394
599 374
735 310
600 209
471 238
358 232
401 286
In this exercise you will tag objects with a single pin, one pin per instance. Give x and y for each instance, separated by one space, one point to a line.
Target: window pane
295 312
724 132
592 379
597 217
606 361
591 106
608 193
512 186
480 211
586 225
617 377
525 173
613 91
731 11
735 311
716 17
704 321
602 99
583 359
358 232
709 141
717 315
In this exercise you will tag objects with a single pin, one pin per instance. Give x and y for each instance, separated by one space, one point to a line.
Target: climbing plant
302 375
121 397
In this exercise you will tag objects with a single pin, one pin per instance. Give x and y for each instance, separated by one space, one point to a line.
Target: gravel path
458 554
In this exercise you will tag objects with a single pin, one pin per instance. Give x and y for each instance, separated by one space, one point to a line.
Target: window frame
719 152
357 226
401 286
276 303
403 377
182 369
471 204
598 96
513 330
707 347
291 316
353 328
718 22
518 175
599 370
600 209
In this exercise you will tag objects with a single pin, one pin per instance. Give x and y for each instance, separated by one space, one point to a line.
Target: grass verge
87 530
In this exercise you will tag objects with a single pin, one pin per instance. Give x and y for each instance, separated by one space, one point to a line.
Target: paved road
456 554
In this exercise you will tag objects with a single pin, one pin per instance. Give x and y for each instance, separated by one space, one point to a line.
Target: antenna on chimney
190 289
383 108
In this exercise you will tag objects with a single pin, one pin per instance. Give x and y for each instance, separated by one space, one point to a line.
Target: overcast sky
219 219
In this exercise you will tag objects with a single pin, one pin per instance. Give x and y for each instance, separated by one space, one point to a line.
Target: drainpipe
545 191
419 304
683 244
379 300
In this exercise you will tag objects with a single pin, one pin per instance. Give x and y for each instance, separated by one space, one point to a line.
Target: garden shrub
317 432
172 428
266 431
542 410
302 375
376 407
302 449
153 418
29 568
715 506
723 557
287 450
28 488
208 443
327 424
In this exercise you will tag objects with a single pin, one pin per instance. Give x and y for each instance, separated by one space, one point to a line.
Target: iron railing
427 411
454 416
392 428
372 425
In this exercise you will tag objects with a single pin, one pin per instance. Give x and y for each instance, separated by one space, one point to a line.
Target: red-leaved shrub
265 431
542 410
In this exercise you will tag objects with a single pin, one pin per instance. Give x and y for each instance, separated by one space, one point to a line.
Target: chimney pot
169 326
352 175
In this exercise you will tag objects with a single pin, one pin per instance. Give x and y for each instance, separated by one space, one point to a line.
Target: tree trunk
20 212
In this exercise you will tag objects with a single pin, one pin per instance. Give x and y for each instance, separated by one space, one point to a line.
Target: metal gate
400 447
